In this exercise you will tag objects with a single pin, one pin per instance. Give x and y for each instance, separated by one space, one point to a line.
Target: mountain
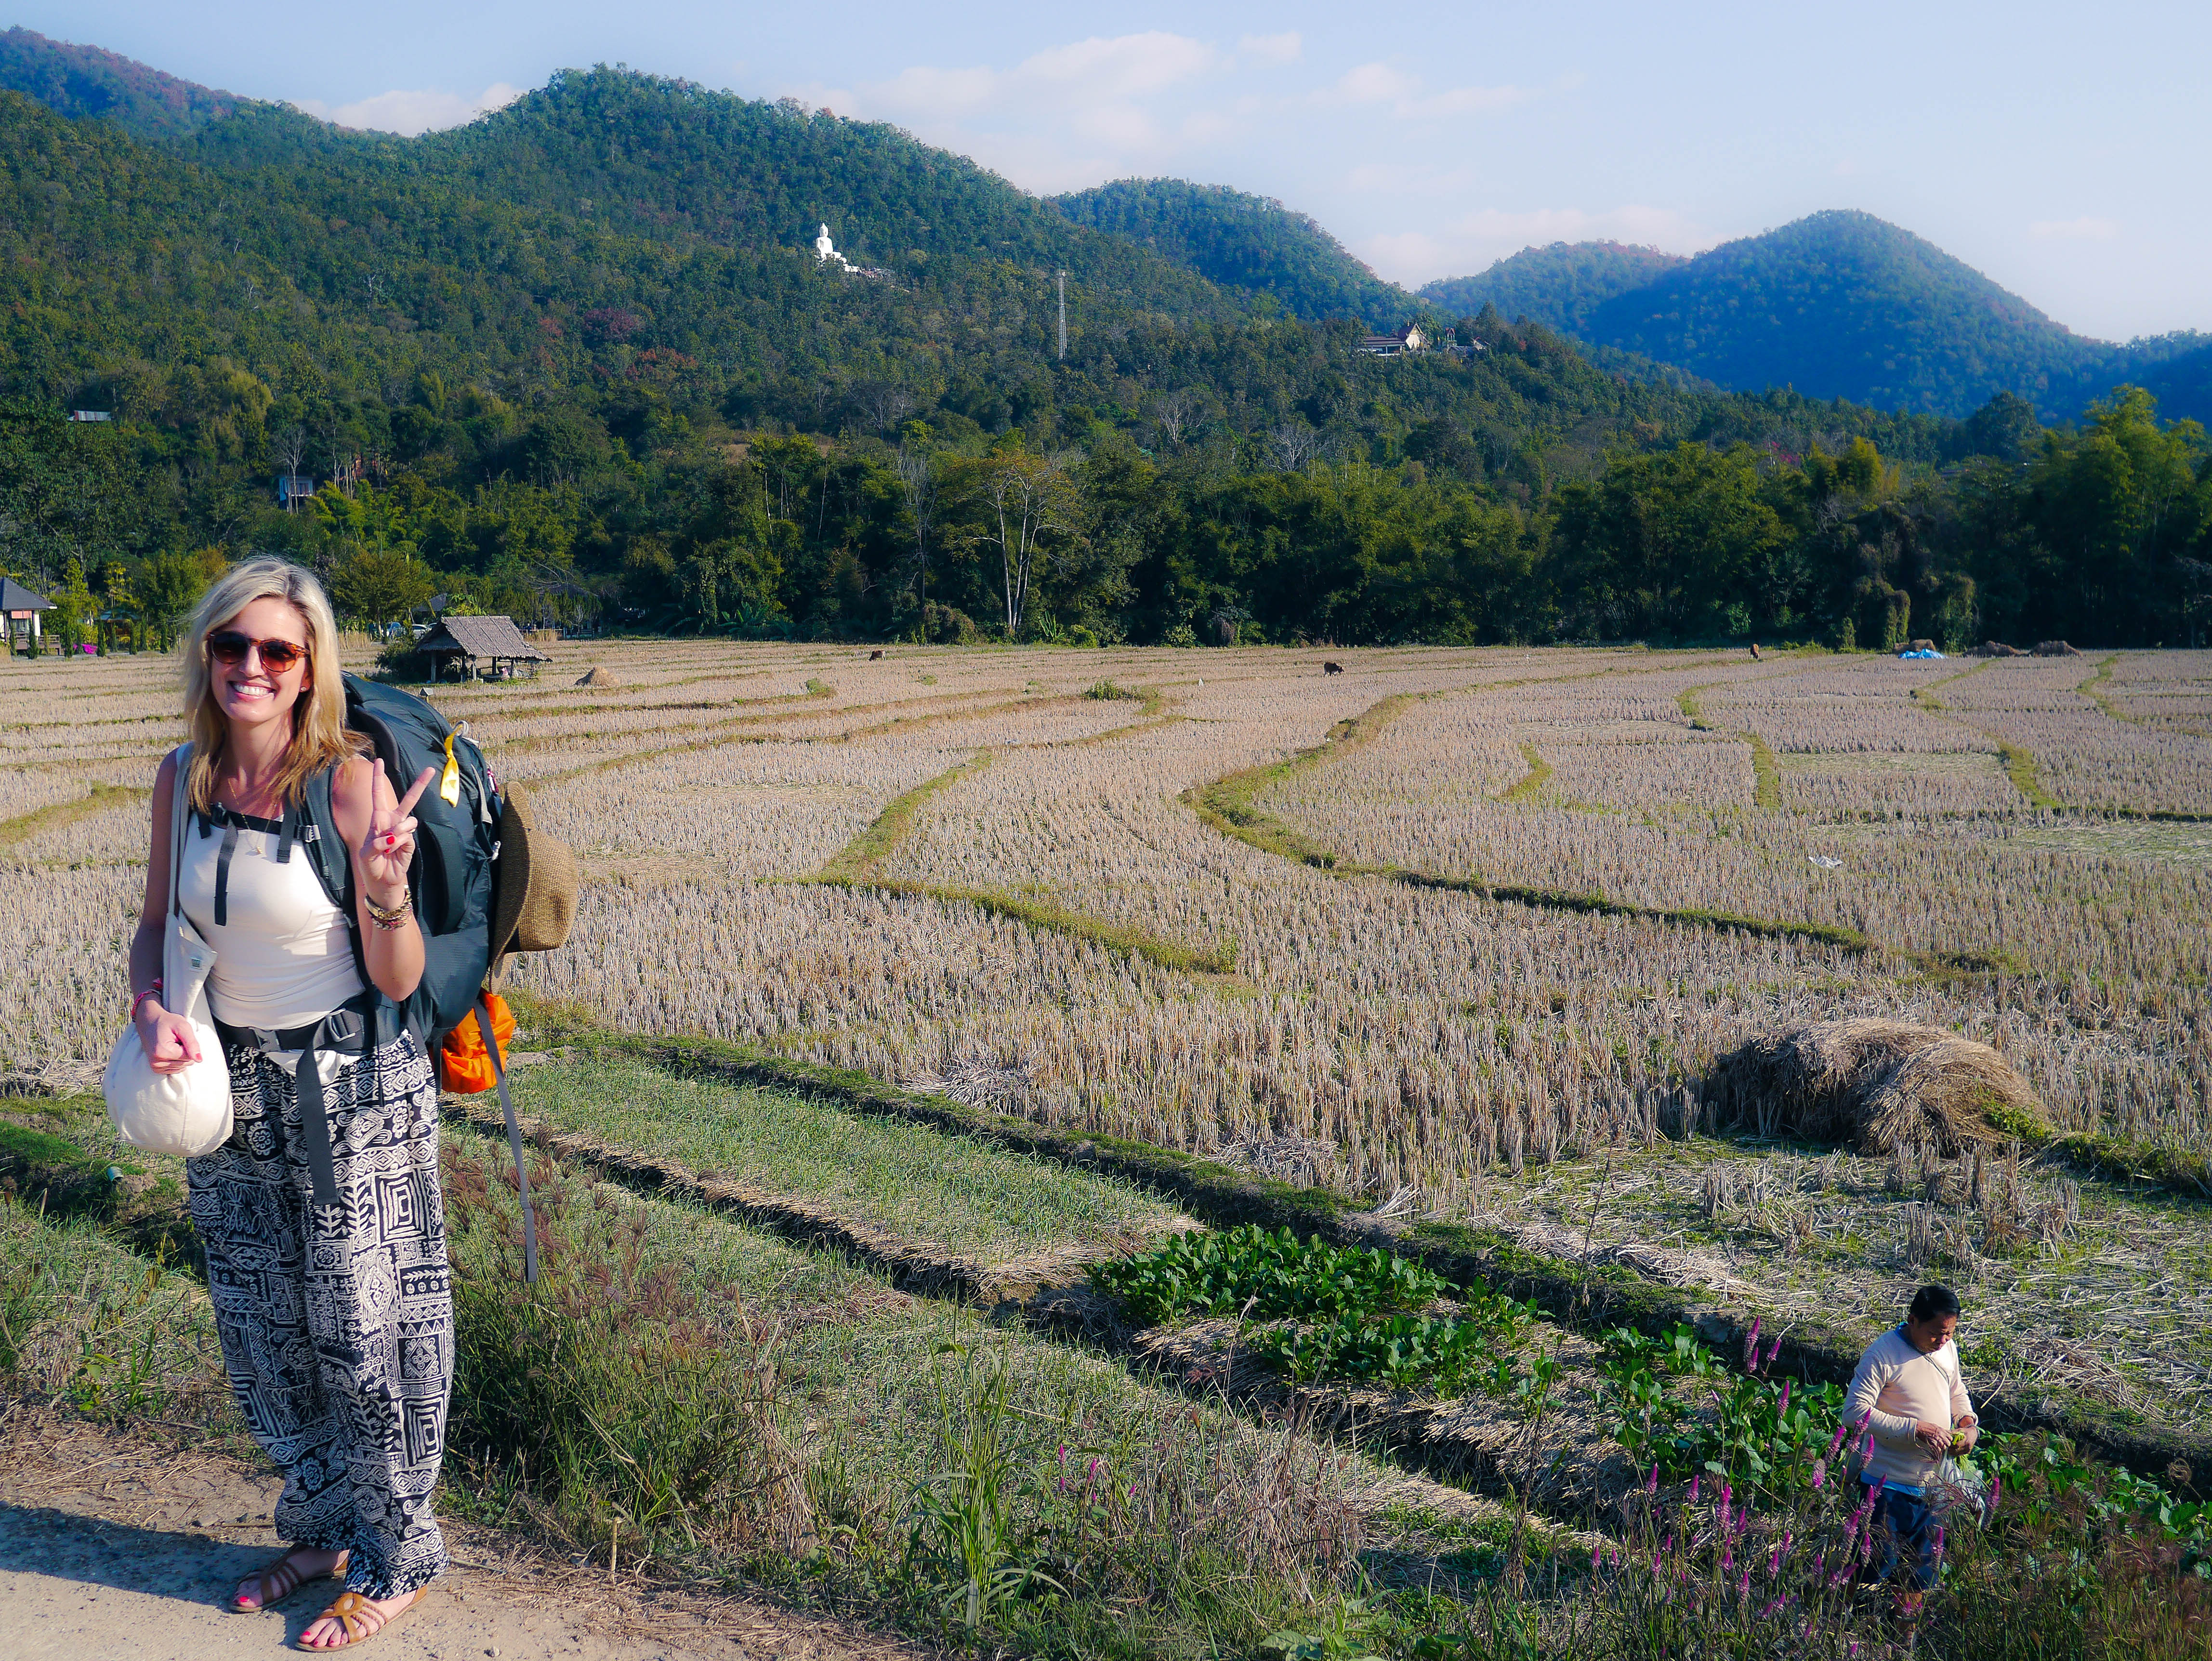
85 81
1557 286
1844 305
1838 305
579 355
1241 241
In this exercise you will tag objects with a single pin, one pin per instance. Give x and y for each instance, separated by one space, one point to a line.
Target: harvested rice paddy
1456 935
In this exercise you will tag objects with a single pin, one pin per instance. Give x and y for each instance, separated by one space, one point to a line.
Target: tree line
627 518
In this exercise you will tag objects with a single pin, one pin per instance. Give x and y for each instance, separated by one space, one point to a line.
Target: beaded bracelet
153 991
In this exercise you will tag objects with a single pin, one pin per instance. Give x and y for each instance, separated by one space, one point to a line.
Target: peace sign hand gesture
389 848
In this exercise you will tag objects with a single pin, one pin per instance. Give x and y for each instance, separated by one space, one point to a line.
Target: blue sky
2060 149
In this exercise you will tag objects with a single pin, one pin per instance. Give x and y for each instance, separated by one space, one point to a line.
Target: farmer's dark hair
1933 1303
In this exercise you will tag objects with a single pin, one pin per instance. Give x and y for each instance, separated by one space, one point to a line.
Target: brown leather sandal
279 1581
356 1614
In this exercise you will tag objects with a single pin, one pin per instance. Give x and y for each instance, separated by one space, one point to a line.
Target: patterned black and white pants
336 1322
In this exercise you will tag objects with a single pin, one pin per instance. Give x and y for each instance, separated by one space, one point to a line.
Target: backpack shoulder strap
325 848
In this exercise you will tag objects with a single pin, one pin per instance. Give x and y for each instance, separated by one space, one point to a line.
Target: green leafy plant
1676 1405
1401 1350
1269 1275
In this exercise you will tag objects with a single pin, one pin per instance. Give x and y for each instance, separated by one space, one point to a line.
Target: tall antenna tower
1063 316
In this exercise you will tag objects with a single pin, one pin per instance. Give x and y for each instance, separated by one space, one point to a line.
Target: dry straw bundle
599 675
1878 1085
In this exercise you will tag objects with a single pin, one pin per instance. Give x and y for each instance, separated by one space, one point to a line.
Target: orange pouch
465 1067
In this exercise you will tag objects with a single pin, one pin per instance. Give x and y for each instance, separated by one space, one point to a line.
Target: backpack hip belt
352 1029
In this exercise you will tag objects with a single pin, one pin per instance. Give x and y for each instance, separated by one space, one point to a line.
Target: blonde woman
321 1216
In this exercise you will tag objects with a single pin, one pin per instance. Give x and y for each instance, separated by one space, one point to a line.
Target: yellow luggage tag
449 786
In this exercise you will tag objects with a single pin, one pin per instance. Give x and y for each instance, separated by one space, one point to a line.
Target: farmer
321 1216
1909 1394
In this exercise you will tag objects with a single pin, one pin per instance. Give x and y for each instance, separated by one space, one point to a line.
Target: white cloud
1408 99
411 112
1274 48
1067 116
1473 242
2085 229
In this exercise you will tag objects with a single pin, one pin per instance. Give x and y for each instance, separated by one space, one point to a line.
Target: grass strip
967 1197
892 826
1531 781
1117 938
920 1267
1228 807
60 814
2020 768
1765 776
908 723
854 867
1577 1295
1926 696
2087 689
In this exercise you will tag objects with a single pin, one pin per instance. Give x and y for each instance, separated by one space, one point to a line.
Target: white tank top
283 952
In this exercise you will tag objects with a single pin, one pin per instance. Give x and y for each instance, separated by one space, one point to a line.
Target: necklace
259 800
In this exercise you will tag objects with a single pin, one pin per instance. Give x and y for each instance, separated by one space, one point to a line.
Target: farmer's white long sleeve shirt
1895 1388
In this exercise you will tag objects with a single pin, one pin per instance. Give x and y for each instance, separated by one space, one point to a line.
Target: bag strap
180 799
514 1141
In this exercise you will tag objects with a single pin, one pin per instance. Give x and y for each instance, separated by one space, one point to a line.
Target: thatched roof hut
478 646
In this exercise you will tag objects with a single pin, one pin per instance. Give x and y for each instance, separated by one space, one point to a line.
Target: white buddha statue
824 249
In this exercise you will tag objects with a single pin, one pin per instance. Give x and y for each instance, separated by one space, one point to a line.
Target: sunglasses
229 646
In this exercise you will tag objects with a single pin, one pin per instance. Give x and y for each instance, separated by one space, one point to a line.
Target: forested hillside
1250 242
1844 305
575 361
85 81
1837 305
1558 286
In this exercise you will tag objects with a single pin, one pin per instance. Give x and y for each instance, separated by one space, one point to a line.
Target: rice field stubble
1490 912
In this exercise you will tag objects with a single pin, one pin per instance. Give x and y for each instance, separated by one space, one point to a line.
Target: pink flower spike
1782 1411
1819 1473
1652 1482
1695 1481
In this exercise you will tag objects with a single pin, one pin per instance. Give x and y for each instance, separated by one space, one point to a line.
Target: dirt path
114 1546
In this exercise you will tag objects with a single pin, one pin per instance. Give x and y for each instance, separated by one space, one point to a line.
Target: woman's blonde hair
320 736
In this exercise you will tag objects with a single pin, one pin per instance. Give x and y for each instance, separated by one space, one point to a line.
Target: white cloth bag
187 1111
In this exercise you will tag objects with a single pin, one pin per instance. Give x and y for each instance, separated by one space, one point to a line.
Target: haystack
599 675
2056 648
1877 1084
1996 648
